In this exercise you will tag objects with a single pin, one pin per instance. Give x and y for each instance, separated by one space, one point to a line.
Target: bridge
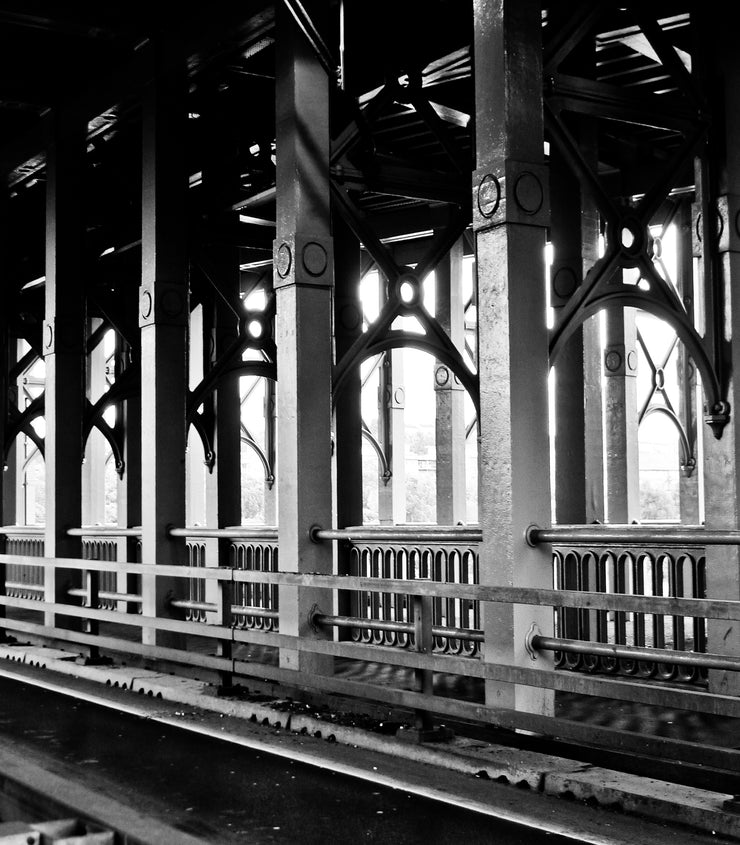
382 355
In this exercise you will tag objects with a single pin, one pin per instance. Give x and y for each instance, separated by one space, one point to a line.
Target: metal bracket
313 615
533 632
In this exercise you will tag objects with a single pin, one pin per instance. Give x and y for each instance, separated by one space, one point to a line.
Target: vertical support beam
303 286
348 407
622 451
722 457
7 493
163 319
566 274
223 482
449 394
688 481
270 488
93 468
128 418
510 213
392 437
63 344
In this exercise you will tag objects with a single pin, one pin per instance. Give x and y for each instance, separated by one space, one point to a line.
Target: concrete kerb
643 796
640 796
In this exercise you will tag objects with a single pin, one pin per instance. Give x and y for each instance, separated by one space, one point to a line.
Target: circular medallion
350 317
284 260
564 282
146 304
441 376
613 361
171 303
489 195
314 258
528 192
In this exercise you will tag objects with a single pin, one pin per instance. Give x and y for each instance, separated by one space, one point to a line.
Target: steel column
93 468
449 394
348 407
163 319
566 274
303 280
63 344
510 213
722 457
621 416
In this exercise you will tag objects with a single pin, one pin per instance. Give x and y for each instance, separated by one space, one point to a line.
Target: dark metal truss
628 243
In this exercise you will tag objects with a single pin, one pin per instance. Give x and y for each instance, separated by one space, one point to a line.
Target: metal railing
442 554
27 541
420 662
249 548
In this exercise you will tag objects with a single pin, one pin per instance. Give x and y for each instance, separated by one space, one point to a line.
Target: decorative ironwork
674 572
449 564
680 115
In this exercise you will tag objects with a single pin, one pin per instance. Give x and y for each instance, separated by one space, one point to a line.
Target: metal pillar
392 437
223 481
622 448
449 394
579 437
510 213
63 345
93 468
722 457
163 319
128 417
688 481
303 281
347 409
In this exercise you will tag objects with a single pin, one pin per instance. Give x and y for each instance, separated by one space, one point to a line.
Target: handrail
13 530
401 533
535 642
109 531
695 535
234 532
317 618
669 606
212 607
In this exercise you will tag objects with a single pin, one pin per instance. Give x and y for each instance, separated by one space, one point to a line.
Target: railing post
226 620
92 626
4 638
424 729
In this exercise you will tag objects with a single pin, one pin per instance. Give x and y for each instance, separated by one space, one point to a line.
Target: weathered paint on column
303 279
722 457
621 420
63 344
510 212
449 394
163 318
